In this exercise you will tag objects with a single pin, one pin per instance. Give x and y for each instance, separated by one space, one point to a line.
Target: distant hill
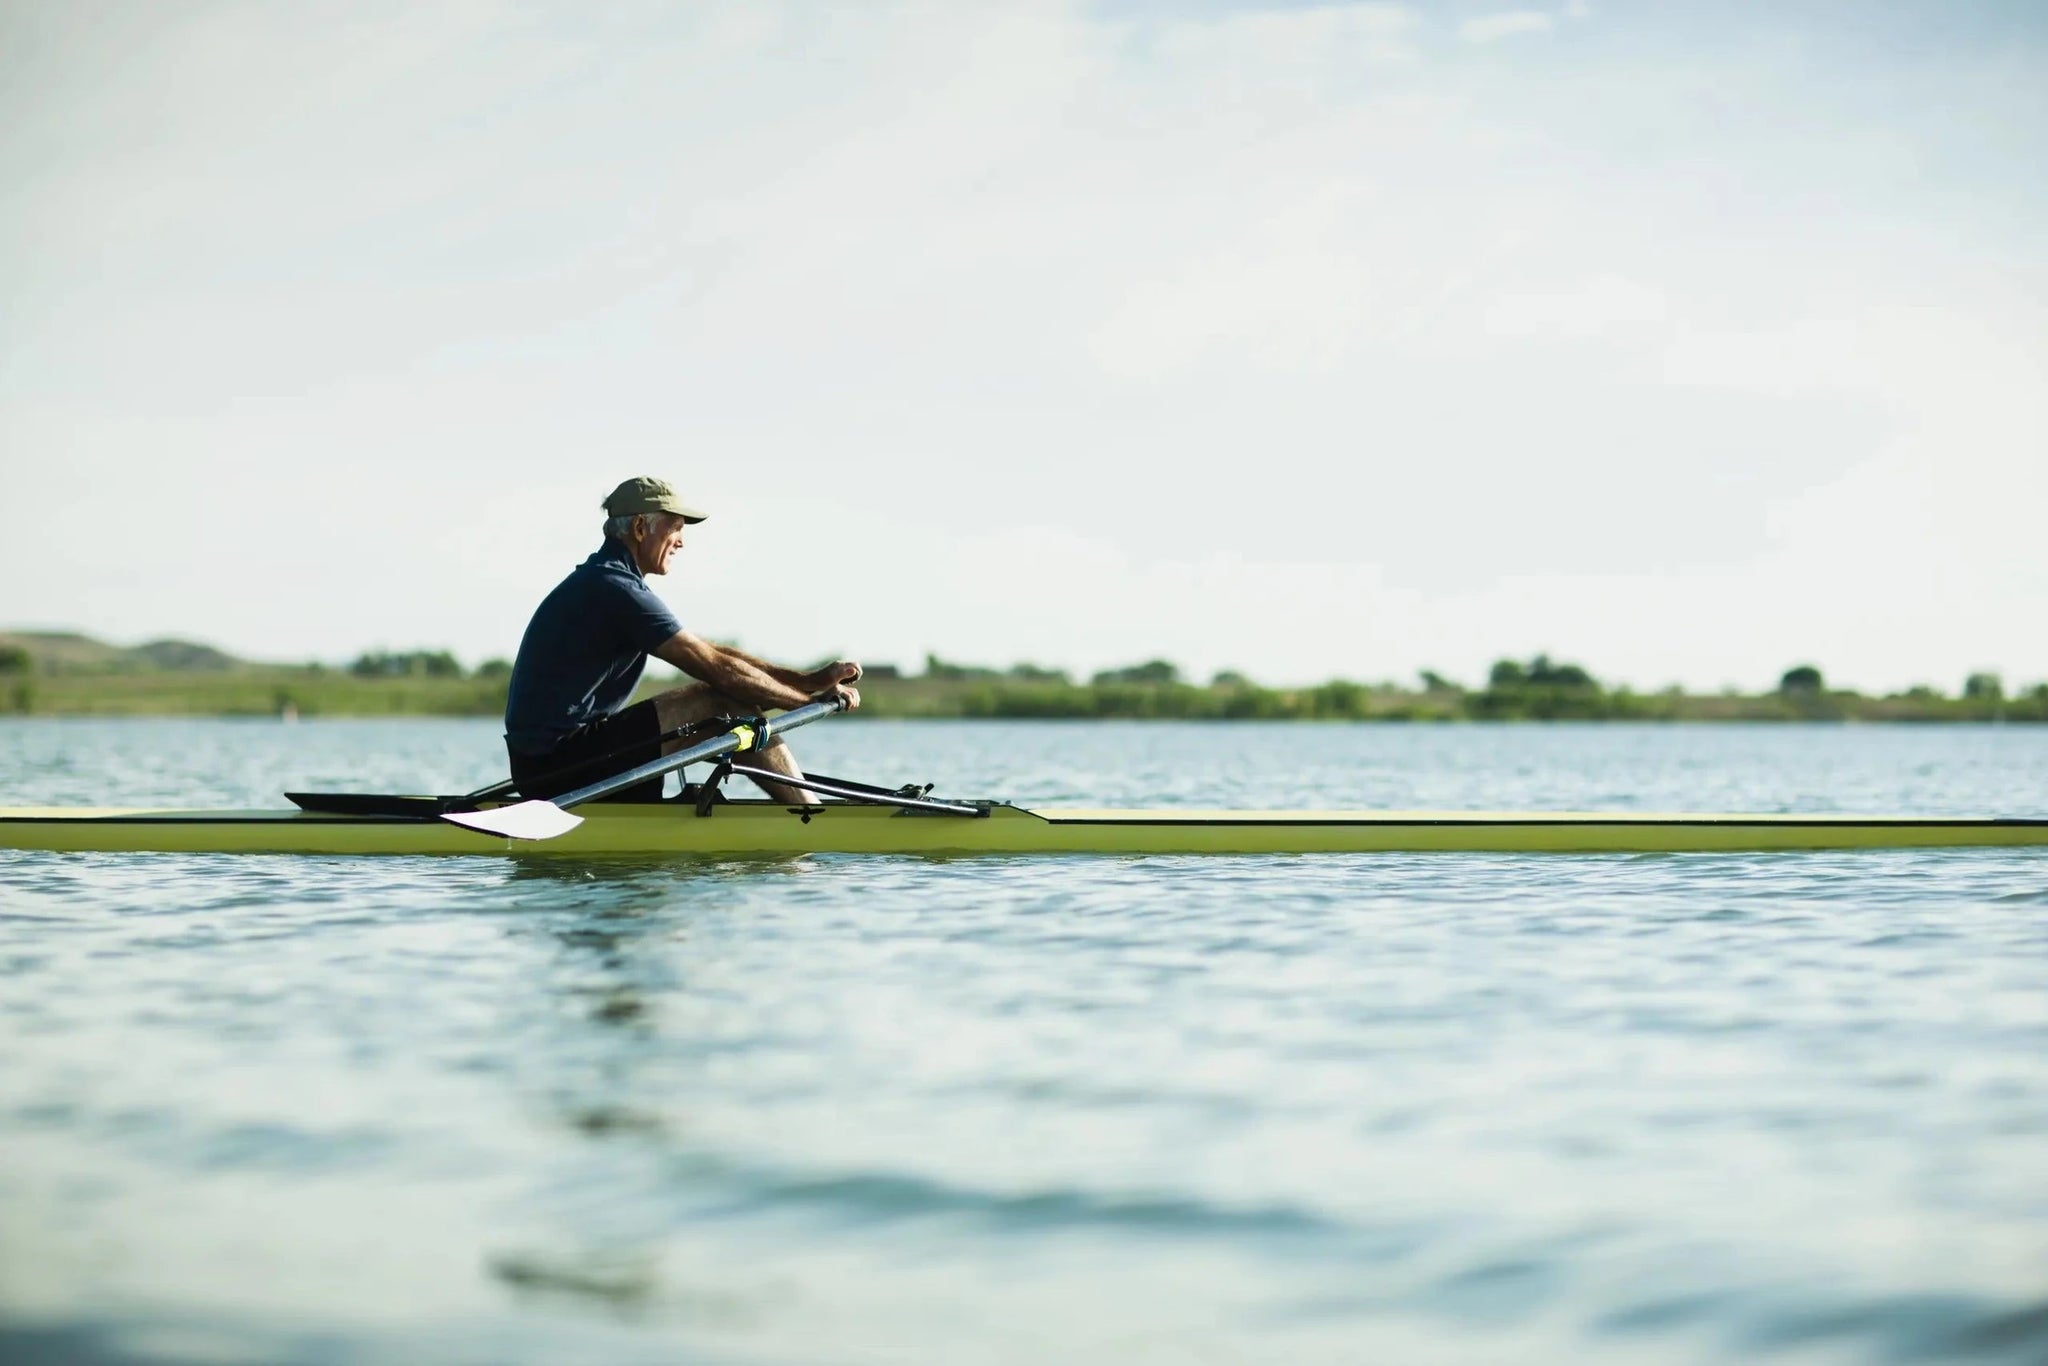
185 656
70 652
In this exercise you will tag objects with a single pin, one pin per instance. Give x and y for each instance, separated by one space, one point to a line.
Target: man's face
656 538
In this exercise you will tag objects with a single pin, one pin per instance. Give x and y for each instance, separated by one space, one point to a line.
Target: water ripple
1399 1107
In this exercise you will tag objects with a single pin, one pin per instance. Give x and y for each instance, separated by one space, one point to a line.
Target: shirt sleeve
641 617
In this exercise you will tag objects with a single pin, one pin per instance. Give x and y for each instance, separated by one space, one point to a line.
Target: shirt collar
615 551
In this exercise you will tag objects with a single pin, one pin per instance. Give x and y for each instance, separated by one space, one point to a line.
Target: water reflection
615 1280
1342 1109
662 871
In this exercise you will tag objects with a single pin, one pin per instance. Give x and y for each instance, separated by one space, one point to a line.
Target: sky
1688 342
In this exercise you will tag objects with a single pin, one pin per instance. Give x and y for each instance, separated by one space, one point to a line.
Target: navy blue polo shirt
583 651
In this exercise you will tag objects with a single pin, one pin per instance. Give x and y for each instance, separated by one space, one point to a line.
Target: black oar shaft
728 743
859 792
717 724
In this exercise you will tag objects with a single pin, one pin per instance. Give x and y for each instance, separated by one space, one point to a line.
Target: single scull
859 818
756 828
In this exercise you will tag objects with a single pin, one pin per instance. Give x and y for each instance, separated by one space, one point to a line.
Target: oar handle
739 737
470 800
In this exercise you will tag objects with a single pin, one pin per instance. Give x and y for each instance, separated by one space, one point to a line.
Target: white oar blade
523 821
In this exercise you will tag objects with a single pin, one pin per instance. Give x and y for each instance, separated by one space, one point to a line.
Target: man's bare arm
783 674
737 675
810 680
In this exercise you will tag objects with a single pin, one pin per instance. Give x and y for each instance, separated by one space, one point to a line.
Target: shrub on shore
433 682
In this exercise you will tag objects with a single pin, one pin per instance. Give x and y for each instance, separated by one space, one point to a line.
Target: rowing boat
746 828
861 818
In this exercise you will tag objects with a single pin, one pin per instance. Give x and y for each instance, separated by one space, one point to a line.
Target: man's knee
695 702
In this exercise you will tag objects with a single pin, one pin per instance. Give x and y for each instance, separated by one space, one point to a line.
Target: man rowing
567 722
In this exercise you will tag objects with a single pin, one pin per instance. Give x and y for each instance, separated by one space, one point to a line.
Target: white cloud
1491 28
1799 357
1273 49
1284 296
1025 332
1588 308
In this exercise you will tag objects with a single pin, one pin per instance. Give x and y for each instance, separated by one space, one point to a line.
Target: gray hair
619 528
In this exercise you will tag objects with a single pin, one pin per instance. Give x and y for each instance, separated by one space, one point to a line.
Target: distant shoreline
65 674
257 691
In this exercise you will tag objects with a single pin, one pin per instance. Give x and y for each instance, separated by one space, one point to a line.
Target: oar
380 804
543 820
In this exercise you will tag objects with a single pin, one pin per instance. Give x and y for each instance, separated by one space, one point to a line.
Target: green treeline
1539 689
51 674
424 664
60 674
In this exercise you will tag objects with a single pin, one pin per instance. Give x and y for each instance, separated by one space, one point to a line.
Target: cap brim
670 506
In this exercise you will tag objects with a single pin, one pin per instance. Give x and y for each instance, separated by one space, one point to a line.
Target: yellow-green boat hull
748 828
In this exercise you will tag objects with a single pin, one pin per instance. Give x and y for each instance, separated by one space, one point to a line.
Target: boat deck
755 828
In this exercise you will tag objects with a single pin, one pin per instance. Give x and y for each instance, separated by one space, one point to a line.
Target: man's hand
838 671
832 680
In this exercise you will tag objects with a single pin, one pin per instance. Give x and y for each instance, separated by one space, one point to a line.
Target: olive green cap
648 495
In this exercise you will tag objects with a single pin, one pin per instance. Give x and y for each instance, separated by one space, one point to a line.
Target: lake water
1402 1108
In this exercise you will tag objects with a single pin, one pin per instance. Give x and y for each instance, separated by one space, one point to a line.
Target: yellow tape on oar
753 738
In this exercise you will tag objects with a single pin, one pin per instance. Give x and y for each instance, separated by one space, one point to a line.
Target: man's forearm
742 676
792 678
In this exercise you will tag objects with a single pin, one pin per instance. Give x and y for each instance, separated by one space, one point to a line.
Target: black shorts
608 745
